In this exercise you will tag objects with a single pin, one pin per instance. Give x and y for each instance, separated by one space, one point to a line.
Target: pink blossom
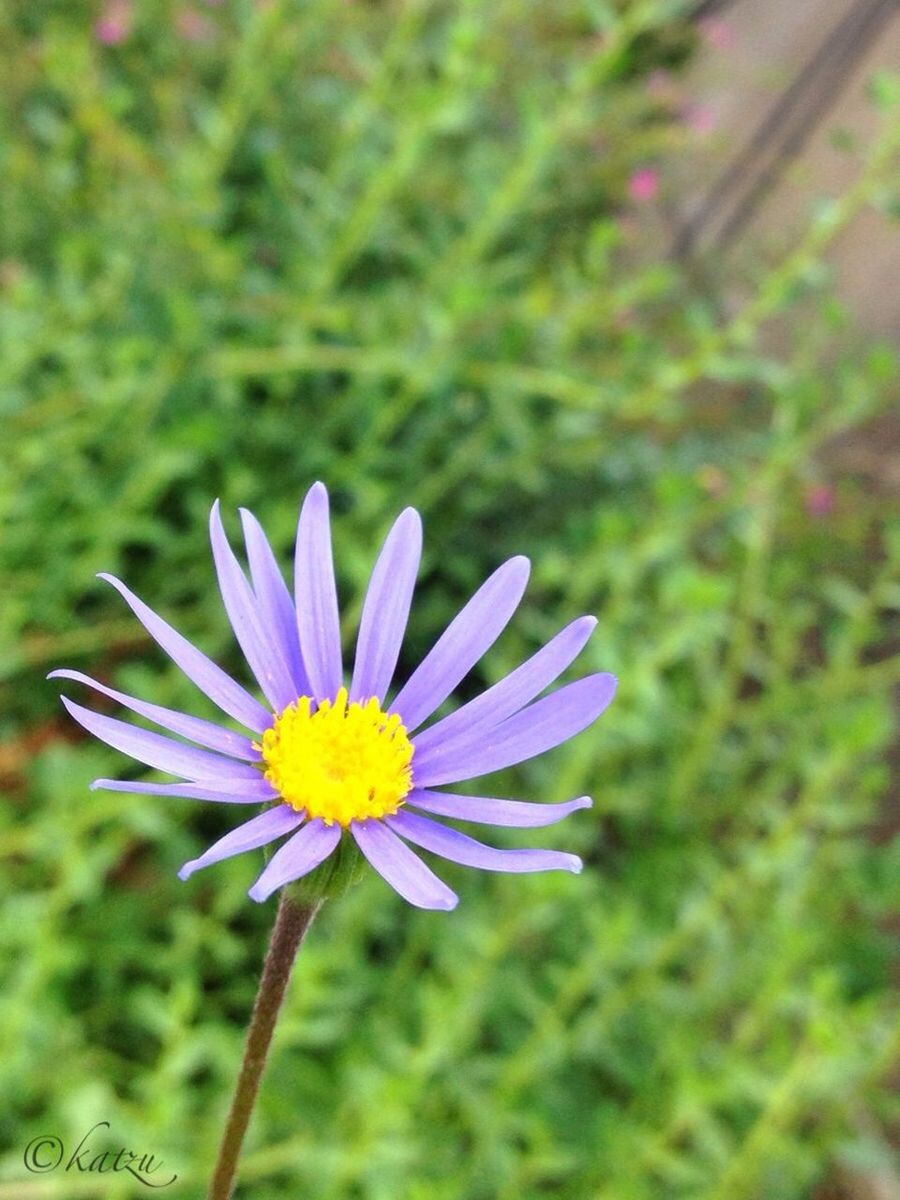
659 81
643 184
717 33
662 86
700 118
192 25
114 24
819 501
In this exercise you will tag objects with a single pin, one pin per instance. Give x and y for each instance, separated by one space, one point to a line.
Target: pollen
338 761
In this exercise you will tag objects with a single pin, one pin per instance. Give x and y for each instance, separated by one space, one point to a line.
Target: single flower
643 184
115 22
819 501
328 760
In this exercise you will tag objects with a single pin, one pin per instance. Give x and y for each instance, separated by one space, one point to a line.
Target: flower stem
291 923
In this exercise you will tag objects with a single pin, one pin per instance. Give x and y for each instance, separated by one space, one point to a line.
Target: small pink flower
819 501
114 24
700 119
717 33
662 86
643 184
192 25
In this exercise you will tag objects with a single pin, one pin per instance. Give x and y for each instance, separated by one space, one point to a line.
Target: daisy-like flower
329 760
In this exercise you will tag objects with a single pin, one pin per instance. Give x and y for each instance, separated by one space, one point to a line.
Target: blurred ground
810 64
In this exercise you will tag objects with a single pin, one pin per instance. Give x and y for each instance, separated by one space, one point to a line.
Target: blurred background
611 284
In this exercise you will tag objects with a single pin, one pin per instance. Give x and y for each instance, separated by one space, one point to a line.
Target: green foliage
381 244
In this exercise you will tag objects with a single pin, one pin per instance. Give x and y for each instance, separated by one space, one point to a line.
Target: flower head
331 761
114 24
700 119
819 501
643 184
717 33
193 26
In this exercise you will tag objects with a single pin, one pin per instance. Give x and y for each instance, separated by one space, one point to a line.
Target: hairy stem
291 923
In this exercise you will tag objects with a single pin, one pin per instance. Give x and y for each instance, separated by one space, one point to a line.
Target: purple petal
224 791
316 595
258 831
386 609
205 733
459 848
514 691
261 653
158 751
210 679
535 729
297 857
487 811
403 870
468 636
276 608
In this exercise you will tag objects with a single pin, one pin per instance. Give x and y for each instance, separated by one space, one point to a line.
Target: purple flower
330 760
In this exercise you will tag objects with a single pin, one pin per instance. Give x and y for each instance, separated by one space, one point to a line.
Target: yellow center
341 762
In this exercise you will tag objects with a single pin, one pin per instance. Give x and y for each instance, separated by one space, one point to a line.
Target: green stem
291 923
